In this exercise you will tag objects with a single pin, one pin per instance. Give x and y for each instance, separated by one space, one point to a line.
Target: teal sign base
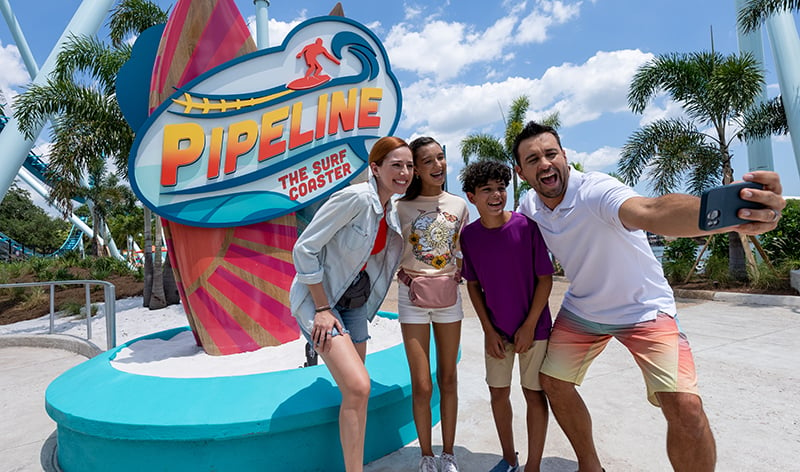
288 420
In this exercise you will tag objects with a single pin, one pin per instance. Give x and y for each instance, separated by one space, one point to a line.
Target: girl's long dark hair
415 188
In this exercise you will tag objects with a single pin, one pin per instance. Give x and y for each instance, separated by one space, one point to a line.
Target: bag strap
403 277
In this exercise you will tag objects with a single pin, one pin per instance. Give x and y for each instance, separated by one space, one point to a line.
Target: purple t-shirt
506 261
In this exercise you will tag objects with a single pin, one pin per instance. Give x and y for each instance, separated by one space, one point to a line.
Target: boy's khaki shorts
498 371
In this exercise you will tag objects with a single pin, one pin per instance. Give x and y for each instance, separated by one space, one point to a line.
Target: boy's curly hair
481 172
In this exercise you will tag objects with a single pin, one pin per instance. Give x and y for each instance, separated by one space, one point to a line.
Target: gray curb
729 297
64 342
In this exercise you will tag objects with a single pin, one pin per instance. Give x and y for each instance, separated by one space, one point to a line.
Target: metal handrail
109 300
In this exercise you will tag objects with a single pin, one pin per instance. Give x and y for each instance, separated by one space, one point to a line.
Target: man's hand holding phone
751 207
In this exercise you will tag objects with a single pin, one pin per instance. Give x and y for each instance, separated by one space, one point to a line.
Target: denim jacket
336 245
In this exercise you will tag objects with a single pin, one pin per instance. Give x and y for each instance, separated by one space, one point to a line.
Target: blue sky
461 63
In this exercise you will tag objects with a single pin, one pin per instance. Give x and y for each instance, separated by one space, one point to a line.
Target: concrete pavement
746 361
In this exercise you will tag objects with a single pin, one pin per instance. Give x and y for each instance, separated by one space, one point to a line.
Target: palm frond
89 55
764 120
754 12
664 149
482 146
705 172
133 17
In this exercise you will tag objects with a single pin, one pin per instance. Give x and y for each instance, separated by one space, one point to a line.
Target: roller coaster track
9 248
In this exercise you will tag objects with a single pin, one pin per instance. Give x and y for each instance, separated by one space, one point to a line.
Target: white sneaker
427 464
448 462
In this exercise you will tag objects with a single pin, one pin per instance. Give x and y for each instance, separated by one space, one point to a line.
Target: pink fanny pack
438 291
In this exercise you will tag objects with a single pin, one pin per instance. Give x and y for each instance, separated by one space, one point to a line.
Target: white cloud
451 47
599 159
534 27
579 92
277 30
598 86
411 12
14 73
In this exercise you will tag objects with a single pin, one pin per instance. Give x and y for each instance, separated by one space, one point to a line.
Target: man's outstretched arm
677 214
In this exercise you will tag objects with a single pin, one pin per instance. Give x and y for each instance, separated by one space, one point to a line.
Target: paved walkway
746 357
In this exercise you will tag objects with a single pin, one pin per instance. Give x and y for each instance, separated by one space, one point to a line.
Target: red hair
383 147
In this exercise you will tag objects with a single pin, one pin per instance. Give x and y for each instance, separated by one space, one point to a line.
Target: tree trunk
95 234
170 285
148 256
516 185
157 298
737 267
737 264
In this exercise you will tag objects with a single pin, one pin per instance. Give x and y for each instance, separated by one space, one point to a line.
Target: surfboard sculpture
240 140
234 282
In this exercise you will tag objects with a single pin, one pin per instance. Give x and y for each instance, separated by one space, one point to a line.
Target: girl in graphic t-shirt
431 220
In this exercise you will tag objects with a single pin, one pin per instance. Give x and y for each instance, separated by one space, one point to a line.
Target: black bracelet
320 309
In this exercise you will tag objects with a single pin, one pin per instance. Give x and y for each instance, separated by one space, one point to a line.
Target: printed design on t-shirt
433 236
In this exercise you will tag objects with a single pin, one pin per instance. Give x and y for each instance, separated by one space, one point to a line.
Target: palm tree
486 146
692 153
754 12
88 130
105 196
767 118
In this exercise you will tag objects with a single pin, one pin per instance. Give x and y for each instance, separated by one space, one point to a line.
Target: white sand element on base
180 357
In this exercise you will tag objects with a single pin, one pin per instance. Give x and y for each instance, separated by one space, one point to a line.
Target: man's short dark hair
481 172
531 130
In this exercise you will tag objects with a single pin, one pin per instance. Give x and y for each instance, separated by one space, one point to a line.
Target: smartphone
719 205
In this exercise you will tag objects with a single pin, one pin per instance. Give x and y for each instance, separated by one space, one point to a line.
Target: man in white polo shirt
594 225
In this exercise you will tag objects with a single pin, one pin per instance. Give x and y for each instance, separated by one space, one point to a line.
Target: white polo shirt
614 276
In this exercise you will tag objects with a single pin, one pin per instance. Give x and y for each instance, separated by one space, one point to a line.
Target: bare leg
417 339
573 417
347 369
361 349
690 443
537 427
448 338
503 421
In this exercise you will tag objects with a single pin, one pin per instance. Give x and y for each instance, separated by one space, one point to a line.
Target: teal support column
262 23
759 152
86 21
786 51
19 38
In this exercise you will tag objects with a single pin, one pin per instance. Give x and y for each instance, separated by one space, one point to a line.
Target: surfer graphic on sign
313 76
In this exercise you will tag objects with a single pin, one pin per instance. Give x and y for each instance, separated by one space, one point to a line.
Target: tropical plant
781 244
692 153
486 146
769 117
678 259
88 129
754 12
29 225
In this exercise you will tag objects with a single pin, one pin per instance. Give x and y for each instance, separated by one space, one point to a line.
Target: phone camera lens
713 214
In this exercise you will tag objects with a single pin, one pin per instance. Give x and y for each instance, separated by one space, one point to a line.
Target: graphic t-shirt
431 227
506 261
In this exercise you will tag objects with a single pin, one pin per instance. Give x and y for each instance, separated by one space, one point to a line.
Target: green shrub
772 278
678 259
40 267
76 309
716 269
34 297
783 243
63 273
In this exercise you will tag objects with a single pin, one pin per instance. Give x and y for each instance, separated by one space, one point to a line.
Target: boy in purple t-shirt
509 277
